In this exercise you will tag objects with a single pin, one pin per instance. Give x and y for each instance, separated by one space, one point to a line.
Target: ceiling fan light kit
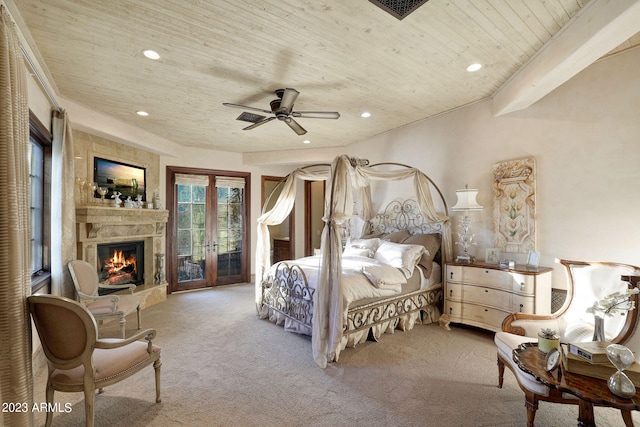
282 109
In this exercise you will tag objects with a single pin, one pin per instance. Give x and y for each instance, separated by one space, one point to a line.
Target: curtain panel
16 378
63 215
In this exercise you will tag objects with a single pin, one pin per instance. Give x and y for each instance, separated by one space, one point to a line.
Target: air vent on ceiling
250 117
399 8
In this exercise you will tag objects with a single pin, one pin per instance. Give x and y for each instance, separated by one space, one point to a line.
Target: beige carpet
224 367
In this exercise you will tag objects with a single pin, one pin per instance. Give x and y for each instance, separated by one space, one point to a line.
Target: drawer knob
521 307
450 292
451 275
486 290
522 286
450 311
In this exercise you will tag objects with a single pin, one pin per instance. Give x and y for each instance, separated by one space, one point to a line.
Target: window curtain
183 179
16 378
63 214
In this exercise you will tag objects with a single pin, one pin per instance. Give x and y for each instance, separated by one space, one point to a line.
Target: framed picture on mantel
126 179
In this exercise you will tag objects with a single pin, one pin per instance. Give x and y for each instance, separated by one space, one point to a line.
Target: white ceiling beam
595 30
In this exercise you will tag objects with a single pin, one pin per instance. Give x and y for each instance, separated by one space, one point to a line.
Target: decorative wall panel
514 205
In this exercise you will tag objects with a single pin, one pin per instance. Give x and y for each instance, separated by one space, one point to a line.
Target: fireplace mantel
111 223
99 224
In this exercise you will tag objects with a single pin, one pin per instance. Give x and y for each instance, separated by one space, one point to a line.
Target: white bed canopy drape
344 177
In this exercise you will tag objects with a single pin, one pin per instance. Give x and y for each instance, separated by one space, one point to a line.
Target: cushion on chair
101 306
108 362
128 303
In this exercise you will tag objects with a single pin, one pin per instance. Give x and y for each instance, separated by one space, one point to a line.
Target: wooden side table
589 391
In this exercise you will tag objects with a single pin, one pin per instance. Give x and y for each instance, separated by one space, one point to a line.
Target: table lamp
466 202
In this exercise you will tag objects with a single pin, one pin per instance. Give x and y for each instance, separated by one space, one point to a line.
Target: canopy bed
356 287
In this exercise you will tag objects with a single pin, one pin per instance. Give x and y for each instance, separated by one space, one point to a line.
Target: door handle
211 246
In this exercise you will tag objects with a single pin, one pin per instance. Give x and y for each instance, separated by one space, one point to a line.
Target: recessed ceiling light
306 141
365 114
151 54
142 113
474 67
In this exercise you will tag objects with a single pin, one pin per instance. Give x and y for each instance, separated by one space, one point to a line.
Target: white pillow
400 255
384 277
356 251
371 244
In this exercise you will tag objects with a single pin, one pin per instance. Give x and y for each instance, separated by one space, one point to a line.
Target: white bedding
355 284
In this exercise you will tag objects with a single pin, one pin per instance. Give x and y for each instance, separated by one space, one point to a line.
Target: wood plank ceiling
346 56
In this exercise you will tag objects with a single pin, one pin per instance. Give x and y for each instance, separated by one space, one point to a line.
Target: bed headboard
403 215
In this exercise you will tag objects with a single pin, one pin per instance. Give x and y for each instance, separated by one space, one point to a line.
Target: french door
208 236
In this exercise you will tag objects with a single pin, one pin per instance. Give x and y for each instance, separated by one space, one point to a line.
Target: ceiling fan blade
261 122
288 98
316 114
244 107
295 126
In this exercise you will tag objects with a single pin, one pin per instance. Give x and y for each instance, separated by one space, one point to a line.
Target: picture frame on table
492 255
533 260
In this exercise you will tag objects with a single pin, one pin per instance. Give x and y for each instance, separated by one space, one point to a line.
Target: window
40 203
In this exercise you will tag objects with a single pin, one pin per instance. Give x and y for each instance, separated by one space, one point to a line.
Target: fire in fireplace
121 263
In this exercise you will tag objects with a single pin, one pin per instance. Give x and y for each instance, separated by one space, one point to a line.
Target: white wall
585 139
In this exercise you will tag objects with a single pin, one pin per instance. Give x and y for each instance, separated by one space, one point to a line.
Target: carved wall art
514 205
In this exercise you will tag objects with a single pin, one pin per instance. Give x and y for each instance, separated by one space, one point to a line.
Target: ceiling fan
282 109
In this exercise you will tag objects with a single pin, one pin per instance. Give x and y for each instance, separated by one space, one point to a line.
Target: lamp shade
467 200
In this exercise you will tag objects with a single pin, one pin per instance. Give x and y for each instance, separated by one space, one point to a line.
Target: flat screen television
128 180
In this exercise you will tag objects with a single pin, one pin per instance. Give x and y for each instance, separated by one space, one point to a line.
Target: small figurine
116 199
128 203
138 202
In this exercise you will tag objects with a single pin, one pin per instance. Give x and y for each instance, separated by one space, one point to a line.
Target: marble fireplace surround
100 224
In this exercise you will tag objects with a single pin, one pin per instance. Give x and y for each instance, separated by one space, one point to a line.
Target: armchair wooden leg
89 393
156 366
500 372
531 403
49 397
123 323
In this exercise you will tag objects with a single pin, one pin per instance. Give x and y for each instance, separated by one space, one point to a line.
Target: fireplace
121 263
101 228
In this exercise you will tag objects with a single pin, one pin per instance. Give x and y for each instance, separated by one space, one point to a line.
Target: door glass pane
230 227
191 232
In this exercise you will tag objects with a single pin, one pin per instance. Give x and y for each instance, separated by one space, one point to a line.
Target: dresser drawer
476 315
488 296
454 273
522 304
523 283
489 277
489 316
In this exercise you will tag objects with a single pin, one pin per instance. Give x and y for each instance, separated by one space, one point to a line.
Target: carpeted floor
224 367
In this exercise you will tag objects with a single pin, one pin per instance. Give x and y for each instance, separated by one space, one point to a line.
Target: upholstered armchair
80 362
587 282
103 307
